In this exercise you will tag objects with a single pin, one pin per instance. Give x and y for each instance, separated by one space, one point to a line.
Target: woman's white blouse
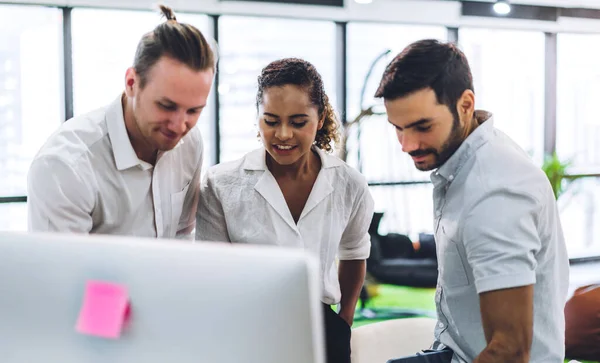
240 201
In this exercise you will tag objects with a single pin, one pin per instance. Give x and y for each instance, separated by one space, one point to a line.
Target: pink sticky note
105 310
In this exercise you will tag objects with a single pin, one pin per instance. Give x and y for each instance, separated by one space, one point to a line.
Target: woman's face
288 123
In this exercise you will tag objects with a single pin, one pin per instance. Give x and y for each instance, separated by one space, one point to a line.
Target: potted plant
556 171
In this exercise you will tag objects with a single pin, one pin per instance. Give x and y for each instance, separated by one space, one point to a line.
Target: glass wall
579 212
508 74
31 94
577 138
247 45
372 145
13 216
578 84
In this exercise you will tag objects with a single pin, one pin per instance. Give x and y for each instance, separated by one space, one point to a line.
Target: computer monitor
190 302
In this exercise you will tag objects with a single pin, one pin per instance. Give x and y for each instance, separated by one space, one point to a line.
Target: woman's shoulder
343 169
235 168
343 172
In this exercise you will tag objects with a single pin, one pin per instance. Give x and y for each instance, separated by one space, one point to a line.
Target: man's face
170 103
427 130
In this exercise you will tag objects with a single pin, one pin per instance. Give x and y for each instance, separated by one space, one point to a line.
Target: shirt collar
256 160
268 187
125 156
448 171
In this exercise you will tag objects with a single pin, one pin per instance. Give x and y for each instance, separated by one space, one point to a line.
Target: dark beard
447 149
452 143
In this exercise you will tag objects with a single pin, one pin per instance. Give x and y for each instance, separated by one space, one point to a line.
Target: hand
348 316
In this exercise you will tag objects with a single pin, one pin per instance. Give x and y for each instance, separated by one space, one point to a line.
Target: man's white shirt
87 178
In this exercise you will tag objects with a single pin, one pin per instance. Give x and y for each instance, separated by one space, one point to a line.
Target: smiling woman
292 104
292 193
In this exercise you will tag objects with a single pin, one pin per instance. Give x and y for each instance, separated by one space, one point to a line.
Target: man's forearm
351 274
501 352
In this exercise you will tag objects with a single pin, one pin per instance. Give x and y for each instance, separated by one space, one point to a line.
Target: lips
419 158
169 135
284 149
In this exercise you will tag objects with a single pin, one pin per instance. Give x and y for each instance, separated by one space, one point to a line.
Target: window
100 58
247 45
13 217
577 135
579 210
510 86
578 120
378 155
31 95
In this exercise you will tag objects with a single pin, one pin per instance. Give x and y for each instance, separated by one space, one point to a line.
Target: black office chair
394 261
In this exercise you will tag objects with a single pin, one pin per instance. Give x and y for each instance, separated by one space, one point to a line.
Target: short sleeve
356 241
501 239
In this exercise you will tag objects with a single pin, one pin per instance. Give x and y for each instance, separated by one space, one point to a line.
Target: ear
321 122
131 81
465 107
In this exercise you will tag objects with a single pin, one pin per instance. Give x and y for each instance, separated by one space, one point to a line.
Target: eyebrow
171 103
296 115
413 124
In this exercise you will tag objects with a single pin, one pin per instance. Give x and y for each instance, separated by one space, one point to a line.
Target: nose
283 132
409 143
178 123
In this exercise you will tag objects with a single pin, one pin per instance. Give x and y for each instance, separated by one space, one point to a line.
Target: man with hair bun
132 167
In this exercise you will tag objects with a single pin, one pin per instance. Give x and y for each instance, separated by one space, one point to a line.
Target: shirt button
441 325
451 177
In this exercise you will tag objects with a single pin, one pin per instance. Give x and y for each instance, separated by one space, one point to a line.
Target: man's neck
479 117
143 150
470 127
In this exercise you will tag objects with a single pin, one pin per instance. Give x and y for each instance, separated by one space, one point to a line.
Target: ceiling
589 4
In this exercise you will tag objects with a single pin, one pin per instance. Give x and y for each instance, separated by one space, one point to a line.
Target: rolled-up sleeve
356 241
58 199
211 224
501 239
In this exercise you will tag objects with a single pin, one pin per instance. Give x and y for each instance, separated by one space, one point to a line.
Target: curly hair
298 72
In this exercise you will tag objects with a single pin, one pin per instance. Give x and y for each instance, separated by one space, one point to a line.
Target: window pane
508 72
247 45
578 120
407 209
579 212
30 88
100 58
13 216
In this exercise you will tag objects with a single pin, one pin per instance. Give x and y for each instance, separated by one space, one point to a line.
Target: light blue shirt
496 227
